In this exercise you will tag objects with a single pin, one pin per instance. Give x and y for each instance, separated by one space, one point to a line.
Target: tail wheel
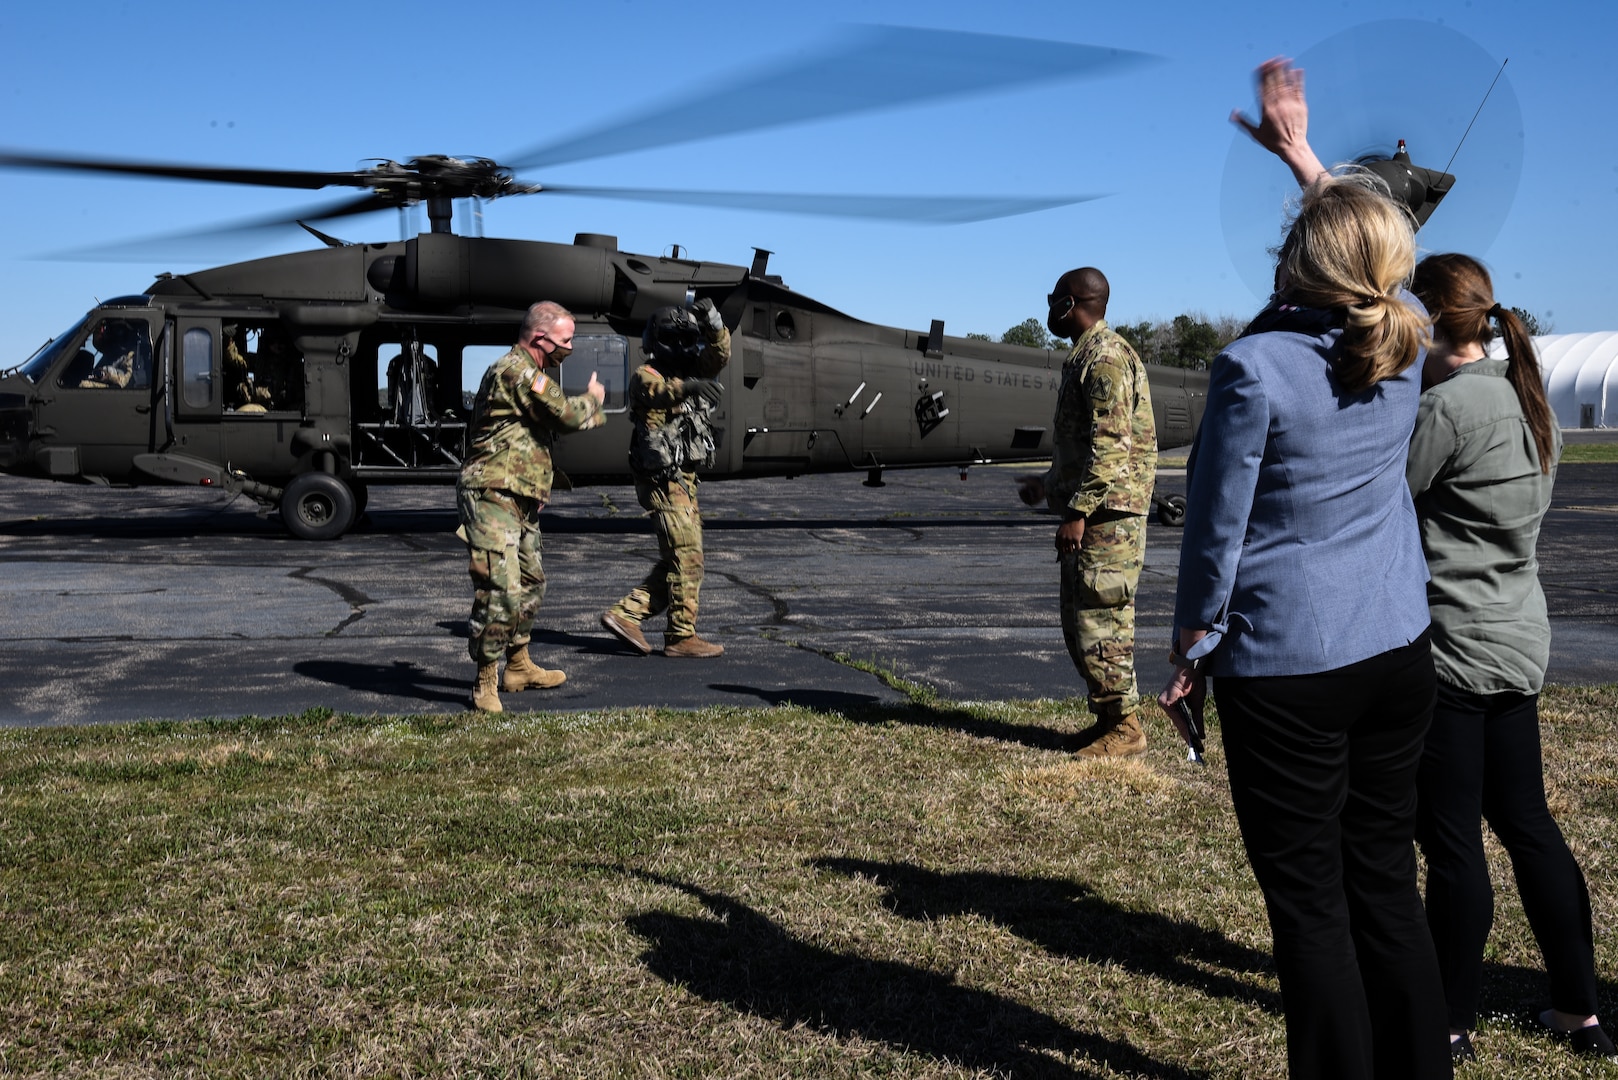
1171 511
317 506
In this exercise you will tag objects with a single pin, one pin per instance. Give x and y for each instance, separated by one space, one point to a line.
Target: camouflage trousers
1098 611
508 581
676 580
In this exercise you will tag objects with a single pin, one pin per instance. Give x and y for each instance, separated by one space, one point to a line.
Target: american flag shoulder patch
541 383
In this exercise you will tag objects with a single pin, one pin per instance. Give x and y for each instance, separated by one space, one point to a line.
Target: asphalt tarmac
170 603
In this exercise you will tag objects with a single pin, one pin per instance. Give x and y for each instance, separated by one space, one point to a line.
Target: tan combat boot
691 646
1121 738
523 674
1090 734
626 631
485 693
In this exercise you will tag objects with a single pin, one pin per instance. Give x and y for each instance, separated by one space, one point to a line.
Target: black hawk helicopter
262 377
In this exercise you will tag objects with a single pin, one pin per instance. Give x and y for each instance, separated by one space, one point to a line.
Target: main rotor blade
181 244
922 209
864 69
222 174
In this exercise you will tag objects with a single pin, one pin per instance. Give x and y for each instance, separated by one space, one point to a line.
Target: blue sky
325 85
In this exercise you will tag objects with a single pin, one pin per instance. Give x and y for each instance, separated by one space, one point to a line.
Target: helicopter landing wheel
317 506
1171 511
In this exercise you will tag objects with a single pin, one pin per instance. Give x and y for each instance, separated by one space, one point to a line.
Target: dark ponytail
1523 372
1460 297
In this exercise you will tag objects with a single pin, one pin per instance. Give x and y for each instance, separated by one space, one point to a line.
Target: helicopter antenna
1475 115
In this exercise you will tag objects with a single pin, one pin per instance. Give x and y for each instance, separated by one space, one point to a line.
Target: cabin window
476 360
196 368
407 381
608 356
785 327
116 356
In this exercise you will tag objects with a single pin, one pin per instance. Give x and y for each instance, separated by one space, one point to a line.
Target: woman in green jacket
1481 465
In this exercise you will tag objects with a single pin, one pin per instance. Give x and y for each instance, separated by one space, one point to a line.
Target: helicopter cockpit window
41 362
785 328
116 356
608 356
263 369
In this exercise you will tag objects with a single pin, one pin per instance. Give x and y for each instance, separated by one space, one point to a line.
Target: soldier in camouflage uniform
671 399
504 483
121 344
1103 466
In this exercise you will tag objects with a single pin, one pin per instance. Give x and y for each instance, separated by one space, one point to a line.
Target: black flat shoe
1461 1049
1587 1041
1591 1041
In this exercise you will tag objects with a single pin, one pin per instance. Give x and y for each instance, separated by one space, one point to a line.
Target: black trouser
1483 761
1323 776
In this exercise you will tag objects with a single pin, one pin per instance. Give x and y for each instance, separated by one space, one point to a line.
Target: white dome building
1581 376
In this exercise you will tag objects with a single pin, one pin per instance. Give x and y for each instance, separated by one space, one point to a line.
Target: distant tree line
1191 340
1533 323
1188 341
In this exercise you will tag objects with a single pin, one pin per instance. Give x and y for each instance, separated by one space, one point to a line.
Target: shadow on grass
1068 919
741 959
928 710
944 717
806 697
1517 994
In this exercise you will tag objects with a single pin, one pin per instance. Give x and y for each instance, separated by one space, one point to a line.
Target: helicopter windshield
36 366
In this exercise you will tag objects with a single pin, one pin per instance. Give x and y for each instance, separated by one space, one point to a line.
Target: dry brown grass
916 892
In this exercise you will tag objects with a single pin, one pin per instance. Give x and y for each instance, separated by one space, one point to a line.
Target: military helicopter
262 377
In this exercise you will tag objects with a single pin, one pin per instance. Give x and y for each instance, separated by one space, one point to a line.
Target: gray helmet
672 335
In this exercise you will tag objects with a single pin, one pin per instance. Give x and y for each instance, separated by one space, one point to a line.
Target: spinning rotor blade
922 209
180 244
219 174
1369 87
865 68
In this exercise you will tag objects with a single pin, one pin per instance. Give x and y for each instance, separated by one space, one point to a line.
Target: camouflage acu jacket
520 410
653 395
1105 451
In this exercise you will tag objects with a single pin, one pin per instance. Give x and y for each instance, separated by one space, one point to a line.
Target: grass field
1585 452
933 890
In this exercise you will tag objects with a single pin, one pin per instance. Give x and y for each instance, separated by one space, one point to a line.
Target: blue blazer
1301 550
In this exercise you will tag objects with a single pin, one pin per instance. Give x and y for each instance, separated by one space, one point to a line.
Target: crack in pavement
353 597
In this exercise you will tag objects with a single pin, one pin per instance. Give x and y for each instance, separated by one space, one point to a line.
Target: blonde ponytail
1351 247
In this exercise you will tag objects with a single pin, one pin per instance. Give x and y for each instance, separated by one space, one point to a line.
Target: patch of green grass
933 889
1575 453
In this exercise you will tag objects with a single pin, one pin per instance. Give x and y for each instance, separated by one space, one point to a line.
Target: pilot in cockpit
123 356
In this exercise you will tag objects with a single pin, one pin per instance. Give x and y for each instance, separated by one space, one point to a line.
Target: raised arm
1283 125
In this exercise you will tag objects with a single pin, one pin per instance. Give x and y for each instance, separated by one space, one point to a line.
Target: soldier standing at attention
504 484
671 400
1103 466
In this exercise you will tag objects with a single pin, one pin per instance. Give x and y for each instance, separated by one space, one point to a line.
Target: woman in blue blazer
1302 590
